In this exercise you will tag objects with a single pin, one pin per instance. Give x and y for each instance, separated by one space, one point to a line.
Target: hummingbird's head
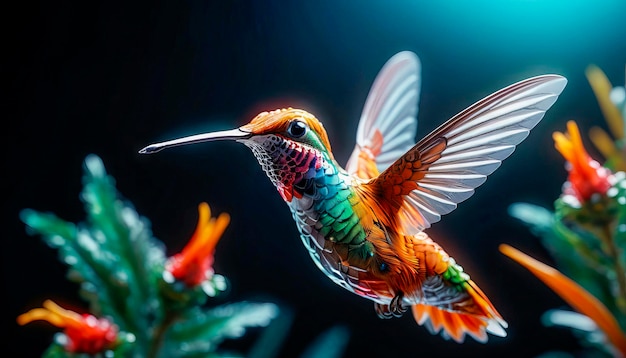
289 126
291 145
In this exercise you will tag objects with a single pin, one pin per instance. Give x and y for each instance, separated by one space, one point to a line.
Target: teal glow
525 24
505 28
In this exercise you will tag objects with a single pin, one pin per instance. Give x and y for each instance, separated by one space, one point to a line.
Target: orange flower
85 333
193 264
572 293
586 176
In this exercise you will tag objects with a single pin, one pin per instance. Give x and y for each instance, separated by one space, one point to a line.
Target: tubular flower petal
572 293
194 263
586 176
85 333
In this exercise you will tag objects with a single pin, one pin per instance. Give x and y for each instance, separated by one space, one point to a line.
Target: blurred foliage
142 303
585 233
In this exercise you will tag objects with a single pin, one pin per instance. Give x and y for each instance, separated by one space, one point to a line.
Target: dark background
97 77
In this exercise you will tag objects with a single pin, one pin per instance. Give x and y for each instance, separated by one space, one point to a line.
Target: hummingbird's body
349 235
364 225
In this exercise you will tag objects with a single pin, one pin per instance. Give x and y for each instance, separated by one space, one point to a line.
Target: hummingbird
364 225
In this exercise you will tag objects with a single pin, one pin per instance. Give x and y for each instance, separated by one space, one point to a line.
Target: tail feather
480 320
452 325
474 328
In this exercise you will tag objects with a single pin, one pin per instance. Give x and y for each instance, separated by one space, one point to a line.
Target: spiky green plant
139 304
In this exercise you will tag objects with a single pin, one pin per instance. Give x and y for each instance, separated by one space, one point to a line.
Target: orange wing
388 124
445 167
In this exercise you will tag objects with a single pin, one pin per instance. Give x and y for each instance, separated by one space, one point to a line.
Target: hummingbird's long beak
232 134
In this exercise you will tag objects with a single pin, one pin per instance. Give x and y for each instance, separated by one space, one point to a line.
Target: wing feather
388 122
445 167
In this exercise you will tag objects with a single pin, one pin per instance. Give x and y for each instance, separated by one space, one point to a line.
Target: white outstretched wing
388 124
445 167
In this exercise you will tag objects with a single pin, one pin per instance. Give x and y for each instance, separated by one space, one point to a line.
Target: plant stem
620 273
159 333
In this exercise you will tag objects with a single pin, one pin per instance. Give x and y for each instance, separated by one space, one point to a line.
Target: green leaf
582 327
203 330
123 253
56 230
329 344
540 220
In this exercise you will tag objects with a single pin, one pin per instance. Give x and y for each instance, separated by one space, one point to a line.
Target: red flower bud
85 333
194 263
586 176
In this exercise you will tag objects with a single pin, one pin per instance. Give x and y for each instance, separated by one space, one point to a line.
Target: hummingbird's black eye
297 129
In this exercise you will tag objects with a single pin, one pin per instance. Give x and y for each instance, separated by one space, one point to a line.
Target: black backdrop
96 77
